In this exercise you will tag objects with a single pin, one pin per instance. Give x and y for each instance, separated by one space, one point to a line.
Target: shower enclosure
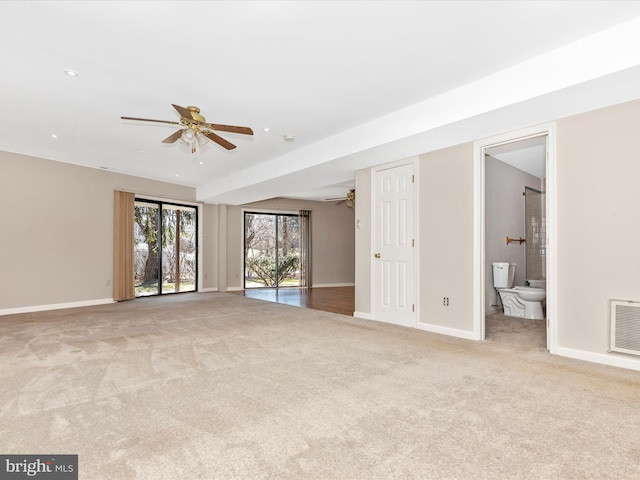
536 234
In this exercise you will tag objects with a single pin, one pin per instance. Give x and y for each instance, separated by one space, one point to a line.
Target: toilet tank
503 273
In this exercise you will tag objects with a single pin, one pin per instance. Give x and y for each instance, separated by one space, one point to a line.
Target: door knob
377 255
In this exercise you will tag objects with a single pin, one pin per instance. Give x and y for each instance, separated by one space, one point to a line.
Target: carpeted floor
217 386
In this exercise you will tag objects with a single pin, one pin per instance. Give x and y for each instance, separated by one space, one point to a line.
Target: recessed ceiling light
201 163
177 174
72 73
53 135
266 129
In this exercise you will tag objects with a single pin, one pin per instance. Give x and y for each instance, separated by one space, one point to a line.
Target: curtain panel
305 248
123 282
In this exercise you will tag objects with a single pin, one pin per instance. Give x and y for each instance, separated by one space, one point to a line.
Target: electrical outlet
445 301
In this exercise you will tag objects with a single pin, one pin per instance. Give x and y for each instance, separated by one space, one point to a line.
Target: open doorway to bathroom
515 236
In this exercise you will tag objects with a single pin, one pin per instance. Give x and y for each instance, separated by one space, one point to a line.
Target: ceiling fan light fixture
351 198
194 131
188 136
202 140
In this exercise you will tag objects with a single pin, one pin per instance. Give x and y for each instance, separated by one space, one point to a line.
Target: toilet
523 302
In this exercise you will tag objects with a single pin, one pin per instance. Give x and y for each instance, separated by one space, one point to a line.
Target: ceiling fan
196 130
350 198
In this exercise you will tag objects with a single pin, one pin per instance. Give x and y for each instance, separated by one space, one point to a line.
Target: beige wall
332 240
57 236
445 209
57 229
445 240
598 165
363 245
210 246
598 232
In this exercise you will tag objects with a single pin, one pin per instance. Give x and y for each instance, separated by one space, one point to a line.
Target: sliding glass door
271 250
165 248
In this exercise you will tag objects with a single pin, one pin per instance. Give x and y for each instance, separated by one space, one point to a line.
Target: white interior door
394 245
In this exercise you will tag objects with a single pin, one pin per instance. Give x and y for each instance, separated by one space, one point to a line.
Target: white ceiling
358 83
527 154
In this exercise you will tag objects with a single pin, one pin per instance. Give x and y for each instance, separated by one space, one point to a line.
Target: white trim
56 306
234 289
372 243
452 332
416 237
551 189
605 359
548 129
478 243
363 315
325 285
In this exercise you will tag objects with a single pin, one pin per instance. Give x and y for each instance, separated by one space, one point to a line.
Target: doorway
507 157
165 248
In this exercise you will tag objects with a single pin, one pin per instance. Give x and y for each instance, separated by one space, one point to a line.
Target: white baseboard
452 332
364 316
621 361
324 285
56 306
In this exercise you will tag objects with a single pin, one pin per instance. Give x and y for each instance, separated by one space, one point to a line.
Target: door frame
413 161
198 234
548 129
260 211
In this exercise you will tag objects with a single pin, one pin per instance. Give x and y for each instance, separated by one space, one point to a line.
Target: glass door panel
271 250
165 248
145 250
259 250
288 251
178 249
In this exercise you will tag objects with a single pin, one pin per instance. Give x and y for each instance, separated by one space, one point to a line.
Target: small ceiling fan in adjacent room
350 199
195 129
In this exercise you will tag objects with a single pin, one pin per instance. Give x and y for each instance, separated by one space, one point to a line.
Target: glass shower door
536 234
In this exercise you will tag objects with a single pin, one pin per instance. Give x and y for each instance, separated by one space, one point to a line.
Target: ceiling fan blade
341 201
150 120
183 111
174 136
218 139
229 128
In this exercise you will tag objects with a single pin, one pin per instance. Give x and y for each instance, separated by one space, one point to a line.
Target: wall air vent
625 327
